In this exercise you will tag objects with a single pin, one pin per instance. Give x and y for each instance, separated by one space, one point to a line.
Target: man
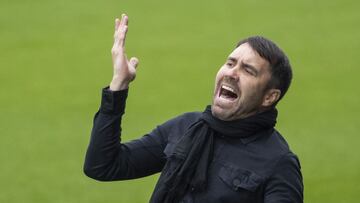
228 153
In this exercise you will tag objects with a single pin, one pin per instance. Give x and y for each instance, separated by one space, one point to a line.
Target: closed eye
231 61
250 69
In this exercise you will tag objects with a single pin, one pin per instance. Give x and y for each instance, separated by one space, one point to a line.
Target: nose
233 73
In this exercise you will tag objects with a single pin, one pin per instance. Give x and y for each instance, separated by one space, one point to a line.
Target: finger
134 61
122 36
117 23
124 20
121 20
123 30
119 27
116 33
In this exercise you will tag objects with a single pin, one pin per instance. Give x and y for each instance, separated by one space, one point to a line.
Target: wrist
117 84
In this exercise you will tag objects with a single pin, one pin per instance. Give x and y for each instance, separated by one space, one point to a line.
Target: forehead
244 53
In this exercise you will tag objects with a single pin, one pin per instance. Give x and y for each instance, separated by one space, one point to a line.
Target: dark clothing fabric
189 162
256 168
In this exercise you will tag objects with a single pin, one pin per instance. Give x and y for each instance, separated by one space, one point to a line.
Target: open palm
124 69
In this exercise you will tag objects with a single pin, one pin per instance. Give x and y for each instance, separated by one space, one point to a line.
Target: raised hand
124 69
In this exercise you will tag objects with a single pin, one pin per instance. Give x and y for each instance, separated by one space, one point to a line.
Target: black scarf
188 165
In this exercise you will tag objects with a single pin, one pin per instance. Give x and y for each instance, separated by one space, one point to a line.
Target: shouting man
230 152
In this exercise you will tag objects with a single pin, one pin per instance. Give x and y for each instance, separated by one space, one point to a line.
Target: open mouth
227 92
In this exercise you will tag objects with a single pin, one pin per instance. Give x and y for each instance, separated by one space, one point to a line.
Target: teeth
228 88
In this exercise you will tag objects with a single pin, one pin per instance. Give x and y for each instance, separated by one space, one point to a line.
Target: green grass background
55 58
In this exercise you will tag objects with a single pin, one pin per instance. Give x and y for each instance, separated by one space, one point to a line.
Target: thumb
134 61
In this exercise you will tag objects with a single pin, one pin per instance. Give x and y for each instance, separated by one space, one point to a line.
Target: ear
271 96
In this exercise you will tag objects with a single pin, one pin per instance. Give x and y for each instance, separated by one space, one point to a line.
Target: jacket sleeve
286 184
108 159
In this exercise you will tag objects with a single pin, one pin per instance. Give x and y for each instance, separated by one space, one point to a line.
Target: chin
220 113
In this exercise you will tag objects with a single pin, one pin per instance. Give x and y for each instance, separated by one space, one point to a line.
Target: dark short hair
280 68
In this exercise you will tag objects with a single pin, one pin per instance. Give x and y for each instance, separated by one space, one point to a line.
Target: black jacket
260 168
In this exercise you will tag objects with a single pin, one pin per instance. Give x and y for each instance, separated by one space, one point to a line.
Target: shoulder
178 125
280 165
283 156
273 150
286 155
274 144
188 117
184 119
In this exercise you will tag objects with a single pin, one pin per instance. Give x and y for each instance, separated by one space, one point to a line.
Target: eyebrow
232 59
250 66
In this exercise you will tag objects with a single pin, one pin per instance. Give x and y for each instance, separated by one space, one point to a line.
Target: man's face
240 84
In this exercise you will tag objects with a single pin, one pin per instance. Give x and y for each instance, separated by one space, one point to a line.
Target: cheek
219 74
250 89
